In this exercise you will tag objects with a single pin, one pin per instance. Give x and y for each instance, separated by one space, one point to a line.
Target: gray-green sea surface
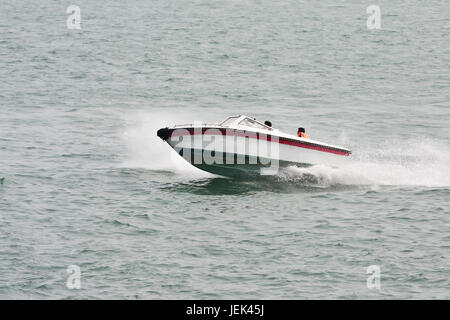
87 186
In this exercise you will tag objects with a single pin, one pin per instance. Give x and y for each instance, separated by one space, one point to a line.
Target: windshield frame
229 121
256 124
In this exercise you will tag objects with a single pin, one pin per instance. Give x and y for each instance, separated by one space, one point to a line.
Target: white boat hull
234 152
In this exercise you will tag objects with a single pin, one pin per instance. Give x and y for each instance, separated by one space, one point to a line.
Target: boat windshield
229 121
252 123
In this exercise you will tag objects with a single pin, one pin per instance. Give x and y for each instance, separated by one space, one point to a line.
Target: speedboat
241 145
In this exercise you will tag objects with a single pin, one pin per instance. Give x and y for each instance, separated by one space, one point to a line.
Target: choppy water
87 183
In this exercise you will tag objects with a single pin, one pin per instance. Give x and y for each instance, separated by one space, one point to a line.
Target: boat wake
411 163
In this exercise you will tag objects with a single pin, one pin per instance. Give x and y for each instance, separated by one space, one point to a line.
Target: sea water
94 205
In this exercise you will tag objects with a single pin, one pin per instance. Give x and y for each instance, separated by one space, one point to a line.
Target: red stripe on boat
255 135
